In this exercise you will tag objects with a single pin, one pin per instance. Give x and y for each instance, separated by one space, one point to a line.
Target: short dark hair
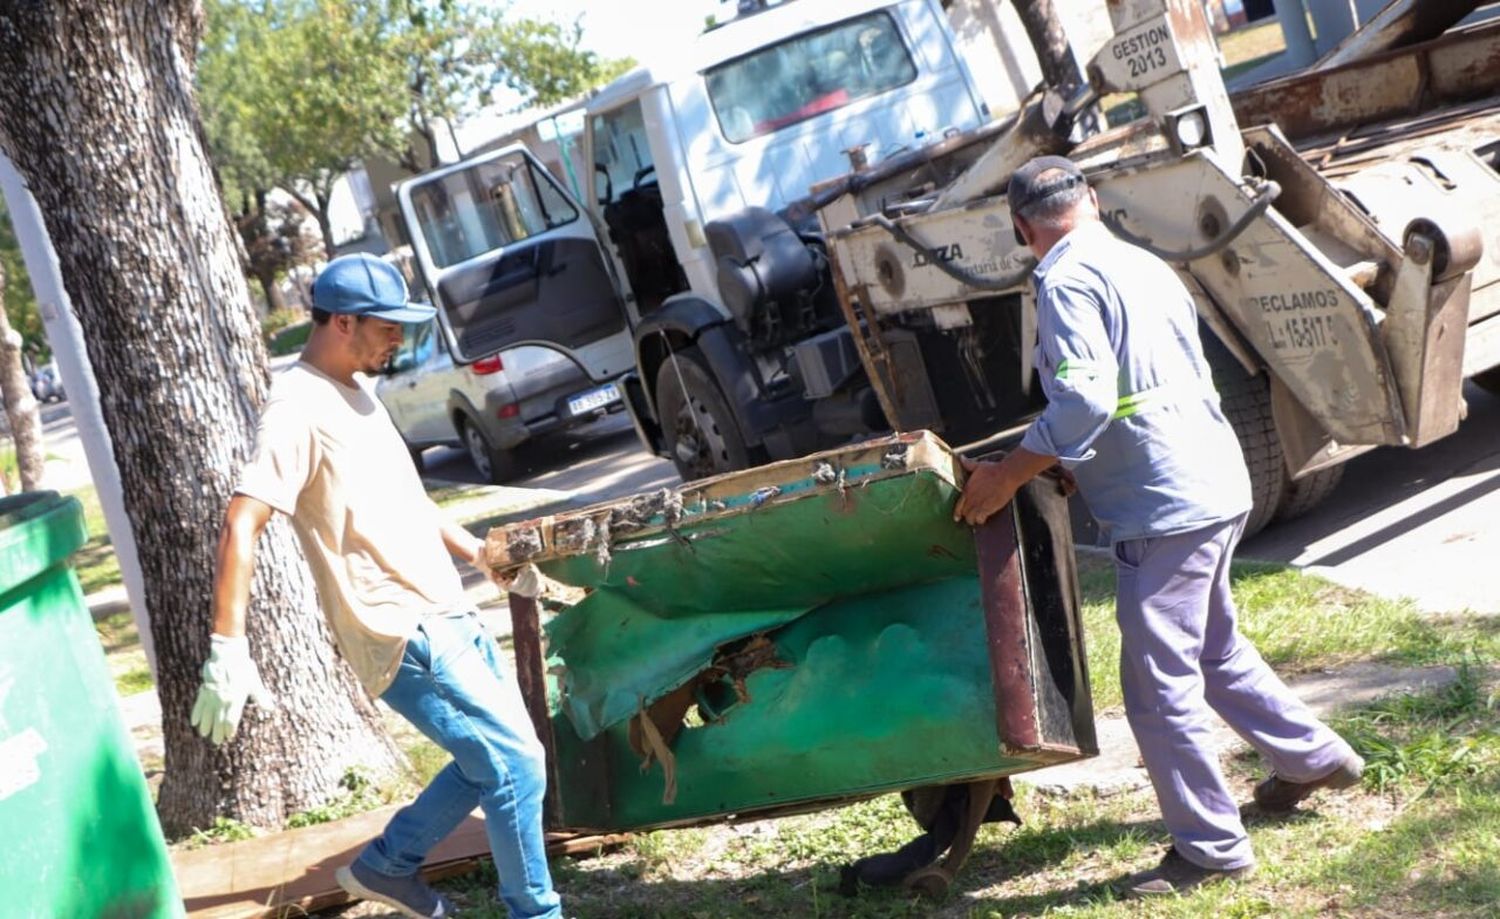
320 316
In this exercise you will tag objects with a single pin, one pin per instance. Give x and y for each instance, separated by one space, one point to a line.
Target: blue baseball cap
363 285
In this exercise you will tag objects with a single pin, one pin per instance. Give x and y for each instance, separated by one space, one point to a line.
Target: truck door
510 259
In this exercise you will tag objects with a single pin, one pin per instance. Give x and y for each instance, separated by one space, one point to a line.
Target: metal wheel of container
493 464
1247 404
701 435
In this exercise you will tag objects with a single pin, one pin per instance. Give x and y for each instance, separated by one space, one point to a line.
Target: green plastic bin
81 834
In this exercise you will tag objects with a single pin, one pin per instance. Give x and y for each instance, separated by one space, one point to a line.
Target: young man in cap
1133 414
381 554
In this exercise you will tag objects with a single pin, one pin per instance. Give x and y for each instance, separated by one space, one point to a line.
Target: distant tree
232 87
276 241
296 93
15 290
21 412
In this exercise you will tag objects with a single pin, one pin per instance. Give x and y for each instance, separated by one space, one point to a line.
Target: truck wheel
698 428
1247 404
1306 493
494 465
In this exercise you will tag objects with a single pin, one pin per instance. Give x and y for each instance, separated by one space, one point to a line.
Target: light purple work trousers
1181 655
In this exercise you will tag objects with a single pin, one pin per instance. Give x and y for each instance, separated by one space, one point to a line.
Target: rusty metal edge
531 677
1002 598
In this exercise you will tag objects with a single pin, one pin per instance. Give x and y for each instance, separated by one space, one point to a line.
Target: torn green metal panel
881 688
663 603
796 636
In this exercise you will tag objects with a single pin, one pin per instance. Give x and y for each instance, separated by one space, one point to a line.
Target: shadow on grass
622 890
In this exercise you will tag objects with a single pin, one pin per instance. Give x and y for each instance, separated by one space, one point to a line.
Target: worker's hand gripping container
795 636
82 838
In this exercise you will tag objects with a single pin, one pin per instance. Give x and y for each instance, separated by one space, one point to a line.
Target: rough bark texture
21 410
1049 41
99 117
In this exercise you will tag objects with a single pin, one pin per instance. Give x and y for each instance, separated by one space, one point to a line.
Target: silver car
488 407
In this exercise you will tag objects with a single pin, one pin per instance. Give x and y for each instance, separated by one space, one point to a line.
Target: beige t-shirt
328 456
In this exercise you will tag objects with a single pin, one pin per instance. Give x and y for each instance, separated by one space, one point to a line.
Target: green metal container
81 835
797 636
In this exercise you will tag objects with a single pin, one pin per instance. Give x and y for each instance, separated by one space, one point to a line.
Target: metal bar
531 677
1402 23
877 365
1457 68
1003 598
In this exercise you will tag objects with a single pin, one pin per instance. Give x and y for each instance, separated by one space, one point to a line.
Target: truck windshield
487 206
808 75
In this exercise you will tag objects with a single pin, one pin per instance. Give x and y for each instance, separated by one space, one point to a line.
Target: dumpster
796 636
83 838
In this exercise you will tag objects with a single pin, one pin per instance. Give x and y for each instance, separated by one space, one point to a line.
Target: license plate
593 399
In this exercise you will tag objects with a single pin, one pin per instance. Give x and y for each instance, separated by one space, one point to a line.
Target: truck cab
646 273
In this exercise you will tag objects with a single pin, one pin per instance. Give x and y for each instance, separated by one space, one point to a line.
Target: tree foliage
296 93
16 293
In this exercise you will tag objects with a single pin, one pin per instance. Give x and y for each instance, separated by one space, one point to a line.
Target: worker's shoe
1276 795
1175 874
410 895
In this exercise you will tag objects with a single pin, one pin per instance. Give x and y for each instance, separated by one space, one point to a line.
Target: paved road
1410 523
598 462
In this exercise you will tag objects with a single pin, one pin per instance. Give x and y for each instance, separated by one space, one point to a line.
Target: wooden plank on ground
291 873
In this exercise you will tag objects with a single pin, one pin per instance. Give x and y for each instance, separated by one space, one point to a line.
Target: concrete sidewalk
1118 767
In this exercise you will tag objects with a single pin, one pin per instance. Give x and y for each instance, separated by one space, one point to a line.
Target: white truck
690 167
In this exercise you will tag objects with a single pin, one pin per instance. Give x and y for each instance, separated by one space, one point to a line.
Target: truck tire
1247 404
493 464
698 428
1306 493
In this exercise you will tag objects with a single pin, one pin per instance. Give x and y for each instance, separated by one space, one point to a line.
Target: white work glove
229 681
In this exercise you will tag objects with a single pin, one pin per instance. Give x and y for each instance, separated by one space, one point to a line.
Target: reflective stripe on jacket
1131 406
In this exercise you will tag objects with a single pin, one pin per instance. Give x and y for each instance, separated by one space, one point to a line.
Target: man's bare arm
244 521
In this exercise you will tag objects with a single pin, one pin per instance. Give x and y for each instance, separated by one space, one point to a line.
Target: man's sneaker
410 895
1175 874
1276 795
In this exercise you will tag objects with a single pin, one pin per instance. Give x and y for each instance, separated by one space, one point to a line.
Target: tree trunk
274 300
1050 42
20 405
325 222
100 118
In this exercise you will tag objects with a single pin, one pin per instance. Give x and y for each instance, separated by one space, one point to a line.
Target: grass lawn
1420 838
95 563
1300 623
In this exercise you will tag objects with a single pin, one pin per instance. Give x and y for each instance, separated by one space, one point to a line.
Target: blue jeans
453 687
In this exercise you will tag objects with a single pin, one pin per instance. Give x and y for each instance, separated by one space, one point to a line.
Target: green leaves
16 296
296 92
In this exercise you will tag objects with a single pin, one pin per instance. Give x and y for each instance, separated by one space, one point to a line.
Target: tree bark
1050 42
99 117
21 409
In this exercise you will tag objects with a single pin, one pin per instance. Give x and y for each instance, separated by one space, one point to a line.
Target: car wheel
699 430
493 464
